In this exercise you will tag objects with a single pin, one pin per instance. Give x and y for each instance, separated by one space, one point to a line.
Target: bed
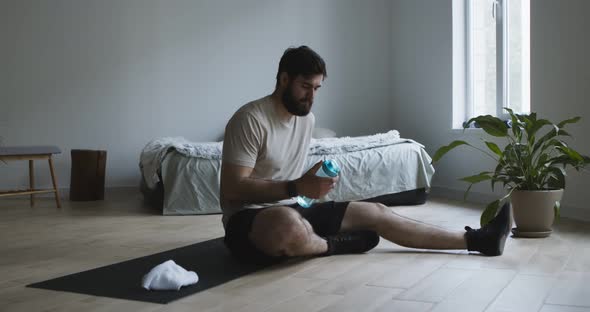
182 178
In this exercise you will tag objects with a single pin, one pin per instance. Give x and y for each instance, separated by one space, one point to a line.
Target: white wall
111 74
422 94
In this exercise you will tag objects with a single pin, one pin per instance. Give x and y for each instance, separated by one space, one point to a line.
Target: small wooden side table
31 153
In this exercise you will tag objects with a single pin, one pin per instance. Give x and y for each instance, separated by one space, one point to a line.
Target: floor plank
548 275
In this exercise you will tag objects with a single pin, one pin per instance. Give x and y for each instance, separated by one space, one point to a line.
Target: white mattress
191 184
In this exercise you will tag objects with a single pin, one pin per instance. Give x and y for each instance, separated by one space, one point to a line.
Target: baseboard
567 211
455 194
573 212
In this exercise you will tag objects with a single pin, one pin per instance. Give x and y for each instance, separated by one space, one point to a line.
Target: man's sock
351 242
490 239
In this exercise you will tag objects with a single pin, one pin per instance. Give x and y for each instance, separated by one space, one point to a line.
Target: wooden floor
549 275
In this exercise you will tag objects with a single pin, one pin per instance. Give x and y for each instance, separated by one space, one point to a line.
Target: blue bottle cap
331 168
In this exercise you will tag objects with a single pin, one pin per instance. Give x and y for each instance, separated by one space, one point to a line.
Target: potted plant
531 167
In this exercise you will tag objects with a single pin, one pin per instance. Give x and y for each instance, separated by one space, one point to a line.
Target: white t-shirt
257 138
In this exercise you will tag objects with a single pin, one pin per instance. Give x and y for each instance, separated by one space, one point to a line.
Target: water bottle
329 169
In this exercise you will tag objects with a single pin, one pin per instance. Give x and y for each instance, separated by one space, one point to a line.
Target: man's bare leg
399 229
279 231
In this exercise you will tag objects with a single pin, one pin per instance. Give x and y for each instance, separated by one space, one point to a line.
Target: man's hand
312 186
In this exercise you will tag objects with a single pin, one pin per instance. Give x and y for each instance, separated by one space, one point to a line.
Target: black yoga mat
210 259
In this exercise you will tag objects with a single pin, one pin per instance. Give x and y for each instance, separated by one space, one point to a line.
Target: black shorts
325 218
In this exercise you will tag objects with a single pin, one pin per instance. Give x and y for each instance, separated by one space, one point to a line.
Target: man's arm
237 184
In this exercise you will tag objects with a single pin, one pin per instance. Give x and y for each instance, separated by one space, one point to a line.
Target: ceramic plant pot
534 212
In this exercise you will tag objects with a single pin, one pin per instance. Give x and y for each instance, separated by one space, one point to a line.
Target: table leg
53 179
32 181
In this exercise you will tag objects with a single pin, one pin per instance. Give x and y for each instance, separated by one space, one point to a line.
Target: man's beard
294 106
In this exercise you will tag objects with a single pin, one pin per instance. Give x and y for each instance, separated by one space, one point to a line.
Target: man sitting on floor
264 152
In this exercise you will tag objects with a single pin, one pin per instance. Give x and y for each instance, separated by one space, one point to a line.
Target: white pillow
320 133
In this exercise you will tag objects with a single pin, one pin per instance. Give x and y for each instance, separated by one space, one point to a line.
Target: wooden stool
31 153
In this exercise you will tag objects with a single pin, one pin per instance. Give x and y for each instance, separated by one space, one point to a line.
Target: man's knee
376 213
381 209
278 231
363 215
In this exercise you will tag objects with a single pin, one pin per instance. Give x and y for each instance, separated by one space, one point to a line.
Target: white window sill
468 131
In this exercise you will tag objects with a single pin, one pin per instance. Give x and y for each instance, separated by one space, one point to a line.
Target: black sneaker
352 242
490 239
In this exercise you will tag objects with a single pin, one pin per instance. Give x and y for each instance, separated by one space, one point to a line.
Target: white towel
167 276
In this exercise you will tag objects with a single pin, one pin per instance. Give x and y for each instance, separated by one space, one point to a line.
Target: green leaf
555 184
445 149
497 173
557 211
528 122
489 213
494 148
482 176
467 191
533 117
492 125
557 178
571 153
563 160
549 135
558 171
542 160
537 124
516 126
567 121
499 167
504 179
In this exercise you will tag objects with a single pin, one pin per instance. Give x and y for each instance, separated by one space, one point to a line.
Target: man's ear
284 79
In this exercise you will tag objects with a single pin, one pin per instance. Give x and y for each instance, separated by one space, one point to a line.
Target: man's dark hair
301 61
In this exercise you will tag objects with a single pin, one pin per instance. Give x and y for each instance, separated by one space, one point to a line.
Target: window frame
463 97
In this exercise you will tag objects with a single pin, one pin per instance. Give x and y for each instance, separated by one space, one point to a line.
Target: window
491 58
